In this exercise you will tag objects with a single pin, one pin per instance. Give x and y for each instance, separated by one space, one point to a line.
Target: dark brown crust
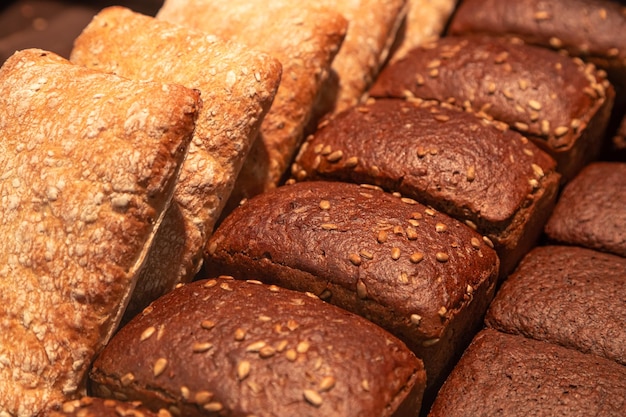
100 407
591 29
244 348
590 211
509 375
557 101
325 238
566 295
452 160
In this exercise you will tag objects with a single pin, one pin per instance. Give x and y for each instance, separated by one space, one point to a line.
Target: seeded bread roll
566 295
495 180
235 348
418 273
89 162
100 407
598 36
590 211
509 375
557 101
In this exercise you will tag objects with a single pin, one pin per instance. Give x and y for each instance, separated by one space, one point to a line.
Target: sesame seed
395 253
318 148
533 183
475 242
440 227
419 79
292 325
203 397
523 84
416 257
555 42
404 278
312 397
225 286
213 407
329 226
442 311
361 289
411 233
159 366
243 370
471 224
469 289
256 346
501 57
326 150
240 334
561 131
147 333
267 352
365 384
545 127
442 118
355 259
491 88
201 347
488 241
534 104
442 257
398 230
471 173
291 355
327 383
433 73
184 392
575 124
325 204
127 379
538 170
416 319
430 212
366 254
541 15
430 342
602 13
303 347
382 236
351 162
335 156
612 52
521 126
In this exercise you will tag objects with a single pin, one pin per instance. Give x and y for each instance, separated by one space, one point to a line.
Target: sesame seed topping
127 379
612 52
201 347
327 383
395 253
203 397
442 118
291 355
355 259
382 236
267 352
416 319
213 407
352 162
243 370
541 15
430 212
555 42
602 13
312 397
521 126
225 286
433 73
442 257
256 346
545 127
538 170
471 224
469 289
430 342
440 227
421 151
491 88
365 384
210 283
335 156
419 79
292 325
561 131
442 311
303 347
147 333
329 226
488 241
535 105
366 254
416 257
411 233
159 366
475 242
404 278
501 57
361 289
471 173
240 334
533 183
326 150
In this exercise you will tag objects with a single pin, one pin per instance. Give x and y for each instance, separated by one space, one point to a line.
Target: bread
590 211
100 407
598 37
89 162
237 86
507 375
305 39
560 103
227 347
496 181
418 273
425 22
566 295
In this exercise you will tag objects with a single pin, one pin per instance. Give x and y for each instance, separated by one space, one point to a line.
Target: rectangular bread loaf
559 102
423 276
489 177
566 295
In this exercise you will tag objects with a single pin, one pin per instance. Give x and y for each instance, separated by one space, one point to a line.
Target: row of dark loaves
390 208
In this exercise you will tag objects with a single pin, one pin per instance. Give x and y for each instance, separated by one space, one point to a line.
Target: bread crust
237 86
243 348
100 407
560 103
418 273
89 166
481 173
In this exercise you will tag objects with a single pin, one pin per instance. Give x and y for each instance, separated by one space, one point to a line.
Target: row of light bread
127 44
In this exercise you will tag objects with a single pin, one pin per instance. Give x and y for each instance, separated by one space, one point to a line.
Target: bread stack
347 208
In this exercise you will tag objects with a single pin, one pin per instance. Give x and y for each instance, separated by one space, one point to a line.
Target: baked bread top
89 162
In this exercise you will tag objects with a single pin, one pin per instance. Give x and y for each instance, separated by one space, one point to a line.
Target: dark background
53 24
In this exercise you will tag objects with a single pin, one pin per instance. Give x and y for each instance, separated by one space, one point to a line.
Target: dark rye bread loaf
567 295
425 277
591 29
591 209
496 181
559 102
235 348
101 407
509 375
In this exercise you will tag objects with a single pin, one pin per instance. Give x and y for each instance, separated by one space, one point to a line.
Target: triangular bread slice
88 163
304 38
237 85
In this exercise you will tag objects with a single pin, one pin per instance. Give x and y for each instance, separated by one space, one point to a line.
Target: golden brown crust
237 87
89 161
304 39
100 407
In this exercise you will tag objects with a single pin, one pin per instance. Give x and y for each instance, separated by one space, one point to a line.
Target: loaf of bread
425 22
566 295
590 211
509 375
598 37
88 165
230 347
304 37
557 101
416 272
237 86
493 179
100 407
